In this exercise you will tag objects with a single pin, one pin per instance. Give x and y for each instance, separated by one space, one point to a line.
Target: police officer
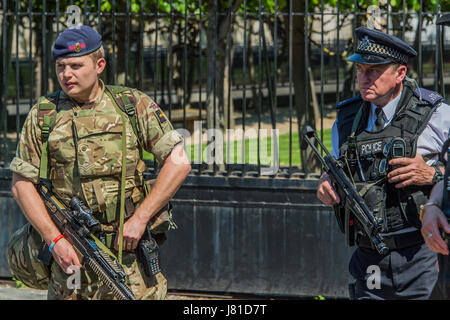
434 220
399 130
84 159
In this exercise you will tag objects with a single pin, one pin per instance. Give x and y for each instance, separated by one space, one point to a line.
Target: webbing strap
123 179
103 247
357 120
46 121
126 106
122 186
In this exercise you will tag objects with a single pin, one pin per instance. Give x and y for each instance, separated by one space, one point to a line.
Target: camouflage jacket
85 149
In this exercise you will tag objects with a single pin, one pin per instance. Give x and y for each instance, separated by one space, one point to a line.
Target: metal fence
243 66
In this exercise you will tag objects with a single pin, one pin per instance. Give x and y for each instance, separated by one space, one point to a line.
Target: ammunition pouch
412 208
375 197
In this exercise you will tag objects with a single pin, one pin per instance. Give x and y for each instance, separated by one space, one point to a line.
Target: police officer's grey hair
394 66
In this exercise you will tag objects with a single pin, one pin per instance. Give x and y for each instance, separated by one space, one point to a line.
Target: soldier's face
78 76
379 83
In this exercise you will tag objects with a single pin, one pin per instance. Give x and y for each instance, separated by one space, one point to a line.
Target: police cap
76 42
377 47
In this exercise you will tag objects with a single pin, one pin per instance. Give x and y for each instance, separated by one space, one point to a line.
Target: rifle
334 168
78 225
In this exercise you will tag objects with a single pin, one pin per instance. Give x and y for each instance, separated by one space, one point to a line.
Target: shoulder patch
429 96
347 102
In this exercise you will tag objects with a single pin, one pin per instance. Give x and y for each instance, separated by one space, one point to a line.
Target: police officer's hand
414 171
433 220
326 192
65 255
133 230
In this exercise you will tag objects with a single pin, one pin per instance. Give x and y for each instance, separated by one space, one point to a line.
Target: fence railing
231 73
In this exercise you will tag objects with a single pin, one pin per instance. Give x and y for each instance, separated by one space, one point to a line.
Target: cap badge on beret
76 46
76 42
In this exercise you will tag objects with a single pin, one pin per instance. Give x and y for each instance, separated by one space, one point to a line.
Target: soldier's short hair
97 54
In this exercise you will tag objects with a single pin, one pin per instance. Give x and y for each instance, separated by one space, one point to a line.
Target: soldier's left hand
414 171
133 230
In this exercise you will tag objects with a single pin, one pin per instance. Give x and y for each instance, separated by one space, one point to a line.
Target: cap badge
76 46
365 43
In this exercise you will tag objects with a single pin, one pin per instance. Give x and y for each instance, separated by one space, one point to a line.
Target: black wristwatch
438 176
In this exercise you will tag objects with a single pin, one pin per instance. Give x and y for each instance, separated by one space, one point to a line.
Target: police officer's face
78 76
380 83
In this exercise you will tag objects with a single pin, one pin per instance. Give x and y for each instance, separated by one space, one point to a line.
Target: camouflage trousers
91 288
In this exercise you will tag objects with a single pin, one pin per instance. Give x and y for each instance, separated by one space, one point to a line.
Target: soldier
399 130
434 220
83 155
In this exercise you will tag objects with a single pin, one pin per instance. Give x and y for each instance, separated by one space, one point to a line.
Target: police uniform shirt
429 143
431 139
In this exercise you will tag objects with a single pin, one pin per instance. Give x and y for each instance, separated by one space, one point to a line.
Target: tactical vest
397 208
88 163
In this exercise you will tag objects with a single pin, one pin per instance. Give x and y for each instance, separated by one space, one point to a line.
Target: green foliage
19 284
396 5
192 6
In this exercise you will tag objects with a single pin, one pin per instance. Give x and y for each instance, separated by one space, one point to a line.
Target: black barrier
242 235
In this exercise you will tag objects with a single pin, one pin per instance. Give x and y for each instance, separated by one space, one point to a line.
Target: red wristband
57 238
50 248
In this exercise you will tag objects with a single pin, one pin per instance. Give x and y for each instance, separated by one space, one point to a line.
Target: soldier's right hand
326 192
65 255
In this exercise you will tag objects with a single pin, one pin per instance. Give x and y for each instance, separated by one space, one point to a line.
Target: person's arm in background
434 219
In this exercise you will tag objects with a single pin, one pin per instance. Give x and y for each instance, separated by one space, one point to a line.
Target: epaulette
429 96
348 101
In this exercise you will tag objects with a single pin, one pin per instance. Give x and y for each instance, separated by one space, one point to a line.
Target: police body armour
398 208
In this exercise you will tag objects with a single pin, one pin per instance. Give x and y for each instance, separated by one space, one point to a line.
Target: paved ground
9 291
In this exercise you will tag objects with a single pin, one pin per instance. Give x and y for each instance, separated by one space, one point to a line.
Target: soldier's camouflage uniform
85 160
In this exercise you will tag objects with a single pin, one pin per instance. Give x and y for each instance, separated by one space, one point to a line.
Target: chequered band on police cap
366 46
